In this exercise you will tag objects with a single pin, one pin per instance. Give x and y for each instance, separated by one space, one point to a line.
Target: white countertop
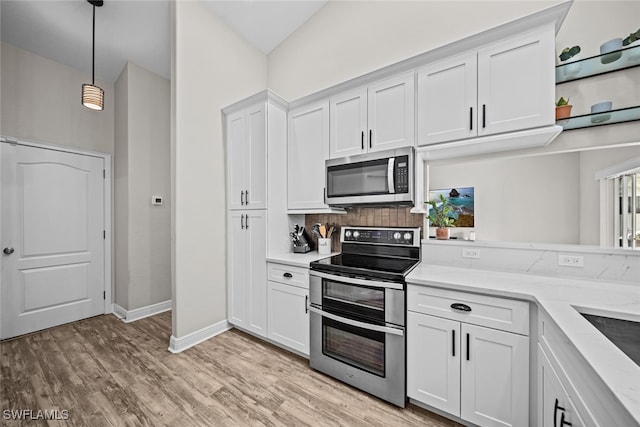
298 260
559 298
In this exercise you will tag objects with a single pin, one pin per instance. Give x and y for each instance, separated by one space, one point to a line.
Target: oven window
353 300
358 179
354 346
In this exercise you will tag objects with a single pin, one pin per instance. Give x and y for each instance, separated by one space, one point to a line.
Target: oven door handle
355 281
351 322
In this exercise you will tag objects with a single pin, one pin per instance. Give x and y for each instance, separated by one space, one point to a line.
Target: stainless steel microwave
381 178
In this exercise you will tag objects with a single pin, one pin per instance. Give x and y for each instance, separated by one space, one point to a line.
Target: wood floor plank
109 373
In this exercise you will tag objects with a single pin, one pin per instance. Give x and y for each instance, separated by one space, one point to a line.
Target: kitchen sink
625 334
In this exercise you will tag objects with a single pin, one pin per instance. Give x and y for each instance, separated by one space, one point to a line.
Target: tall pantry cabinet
251 126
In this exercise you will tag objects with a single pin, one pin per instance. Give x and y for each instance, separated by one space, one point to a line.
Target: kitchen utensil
323 231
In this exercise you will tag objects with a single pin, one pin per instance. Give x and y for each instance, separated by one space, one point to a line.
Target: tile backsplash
365 217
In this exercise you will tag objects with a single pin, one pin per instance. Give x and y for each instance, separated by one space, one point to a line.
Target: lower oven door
362 349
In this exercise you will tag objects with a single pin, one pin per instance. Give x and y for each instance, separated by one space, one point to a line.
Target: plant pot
633 52
572 66
563 112
442 233
610 51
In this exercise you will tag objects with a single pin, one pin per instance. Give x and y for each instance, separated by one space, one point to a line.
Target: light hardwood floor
109 373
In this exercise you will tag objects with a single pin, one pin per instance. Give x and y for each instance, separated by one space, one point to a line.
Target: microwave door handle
391 176
351 322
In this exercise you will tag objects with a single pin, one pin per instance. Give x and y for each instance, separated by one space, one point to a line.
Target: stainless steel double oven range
358 310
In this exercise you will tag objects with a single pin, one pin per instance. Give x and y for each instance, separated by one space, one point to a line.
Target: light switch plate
571 260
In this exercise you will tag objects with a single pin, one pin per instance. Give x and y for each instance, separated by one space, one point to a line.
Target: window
627 219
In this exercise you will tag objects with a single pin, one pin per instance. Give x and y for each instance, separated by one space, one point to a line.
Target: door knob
8 251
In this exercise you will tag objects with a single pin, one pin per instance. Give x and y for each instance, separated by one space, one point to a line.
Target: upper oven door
377 178
359 299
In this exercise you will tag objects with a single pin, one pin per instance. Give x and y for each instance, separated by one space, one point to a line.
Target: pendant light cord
93 48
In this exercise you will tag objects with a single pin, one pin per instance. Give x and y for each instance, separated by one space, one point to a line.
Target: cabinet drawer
289 275
498 313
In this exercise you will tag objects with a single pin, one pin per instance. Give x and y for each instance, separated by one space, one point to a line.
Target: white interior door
52 238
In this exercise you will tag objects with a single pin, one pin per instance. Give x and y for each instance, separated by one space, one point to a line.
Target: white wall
346 39
532 199
41 102
212 67
143 273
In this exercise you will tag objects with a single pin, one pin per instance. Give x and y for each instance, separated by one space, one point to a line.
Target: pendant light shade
92 95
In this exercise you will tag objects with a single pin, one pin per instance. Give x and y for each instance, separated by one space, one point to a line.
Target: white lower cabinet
287 307
247 272
555 407
473 372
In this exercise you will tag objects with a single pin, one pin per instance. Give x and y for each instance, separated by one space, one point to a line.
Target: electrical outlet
470 253
571 260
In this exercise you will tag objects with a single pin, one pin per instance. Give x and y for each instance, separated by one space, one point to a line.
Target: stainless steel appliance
381 178
357 304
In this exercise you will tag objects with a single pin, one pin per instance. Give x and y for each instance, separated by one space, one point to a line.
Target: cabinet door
433 361
256 189
391 113
308 148
348 124
256 266
554 405
237 268
447 99
237 153
495 377
516 83
288 316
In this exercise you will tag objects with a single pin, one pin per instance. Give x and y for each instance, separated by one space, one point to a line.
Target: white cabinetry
288 302
556 409
504 87
308 148
375 118
247 275
458 363
246 158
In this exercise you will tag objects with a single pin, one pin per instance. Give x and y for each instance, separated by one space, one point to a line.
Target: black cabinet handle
484 116
467 346
556 406
453 342
242 197
370 137
470 118
246 197
563 422
362 140
306 304
287 275
460 307
246 221
242 222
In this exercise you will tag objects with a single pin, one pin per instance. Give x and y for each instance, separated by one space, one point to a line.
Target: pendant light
92 95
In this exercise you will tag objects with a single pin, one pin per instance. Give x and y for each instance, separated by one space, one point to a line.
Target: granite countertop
561 298
298 260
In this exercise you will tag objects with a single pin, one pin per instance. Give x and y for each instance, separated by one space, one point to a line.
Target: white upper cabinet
246 158
447 98
507 86
308 148
516 83
379 117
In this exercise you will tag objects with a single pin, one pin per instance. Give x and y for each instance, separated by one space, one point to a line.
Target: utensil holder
324 246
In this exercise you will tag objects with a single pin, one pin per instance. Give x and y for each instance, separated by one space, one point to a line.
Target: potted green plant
569 59
440 217
632 41
563 109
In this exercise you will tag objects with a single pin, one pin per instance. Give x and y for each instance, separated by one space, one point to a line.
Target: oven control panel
383 236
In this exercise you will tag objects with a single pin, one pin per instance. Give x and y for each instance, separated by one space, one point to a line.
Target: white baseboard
128 316
177 345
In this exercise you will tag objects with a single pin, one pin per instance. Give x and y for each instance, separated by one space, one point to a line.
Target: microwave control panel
402 174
